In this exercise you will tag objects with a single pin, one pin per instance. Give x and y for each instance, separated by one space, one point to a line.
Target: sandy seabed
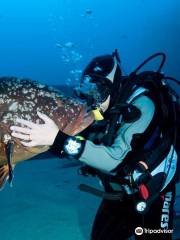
45 203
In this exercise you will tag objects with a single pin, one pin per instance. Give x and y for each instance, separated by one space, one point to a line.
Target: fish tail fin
4 175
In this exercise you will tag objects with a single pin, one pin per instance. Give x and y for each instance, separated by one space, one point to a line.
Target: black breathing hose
163 55
172 79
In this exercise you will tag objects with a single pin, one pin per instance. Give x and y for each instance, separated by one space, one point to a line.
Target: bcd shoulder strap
158 137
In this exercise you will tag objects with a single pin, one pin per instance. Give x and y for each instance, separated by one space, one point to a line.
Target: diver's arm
103 157
108 158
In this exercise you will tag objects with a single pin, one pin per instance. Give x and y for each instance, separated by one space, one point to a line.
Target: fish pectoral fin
4 175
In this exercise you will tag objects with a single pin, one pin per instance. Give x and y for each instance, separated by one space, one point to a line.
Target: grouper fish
22 98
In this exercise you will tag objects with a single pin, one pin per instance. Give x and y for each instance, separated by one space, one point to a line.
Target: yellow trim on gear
80 138
97 114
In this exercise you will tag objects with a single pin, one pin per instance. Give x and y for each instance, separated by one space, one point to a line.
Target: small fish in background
65 45
88 12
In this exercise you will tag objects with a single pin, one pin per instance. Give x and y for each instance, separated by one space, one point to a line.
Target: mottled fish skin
22 98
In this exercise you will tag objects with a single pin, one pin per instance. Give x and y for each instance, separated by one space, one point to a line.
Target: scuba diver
132 147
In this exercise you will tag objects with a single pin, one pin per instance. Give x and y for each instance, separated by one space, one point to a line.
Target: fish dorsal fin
4 175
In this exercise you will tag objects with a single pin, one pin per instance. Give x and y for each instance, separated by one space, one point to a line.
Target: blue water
52 41
30 30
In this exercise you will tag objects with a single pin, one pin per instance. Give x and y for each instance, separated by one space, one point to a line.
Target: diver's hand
36 134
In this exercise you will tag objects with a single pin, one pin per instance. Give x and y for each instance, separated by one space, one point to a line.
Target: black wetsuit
117 220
